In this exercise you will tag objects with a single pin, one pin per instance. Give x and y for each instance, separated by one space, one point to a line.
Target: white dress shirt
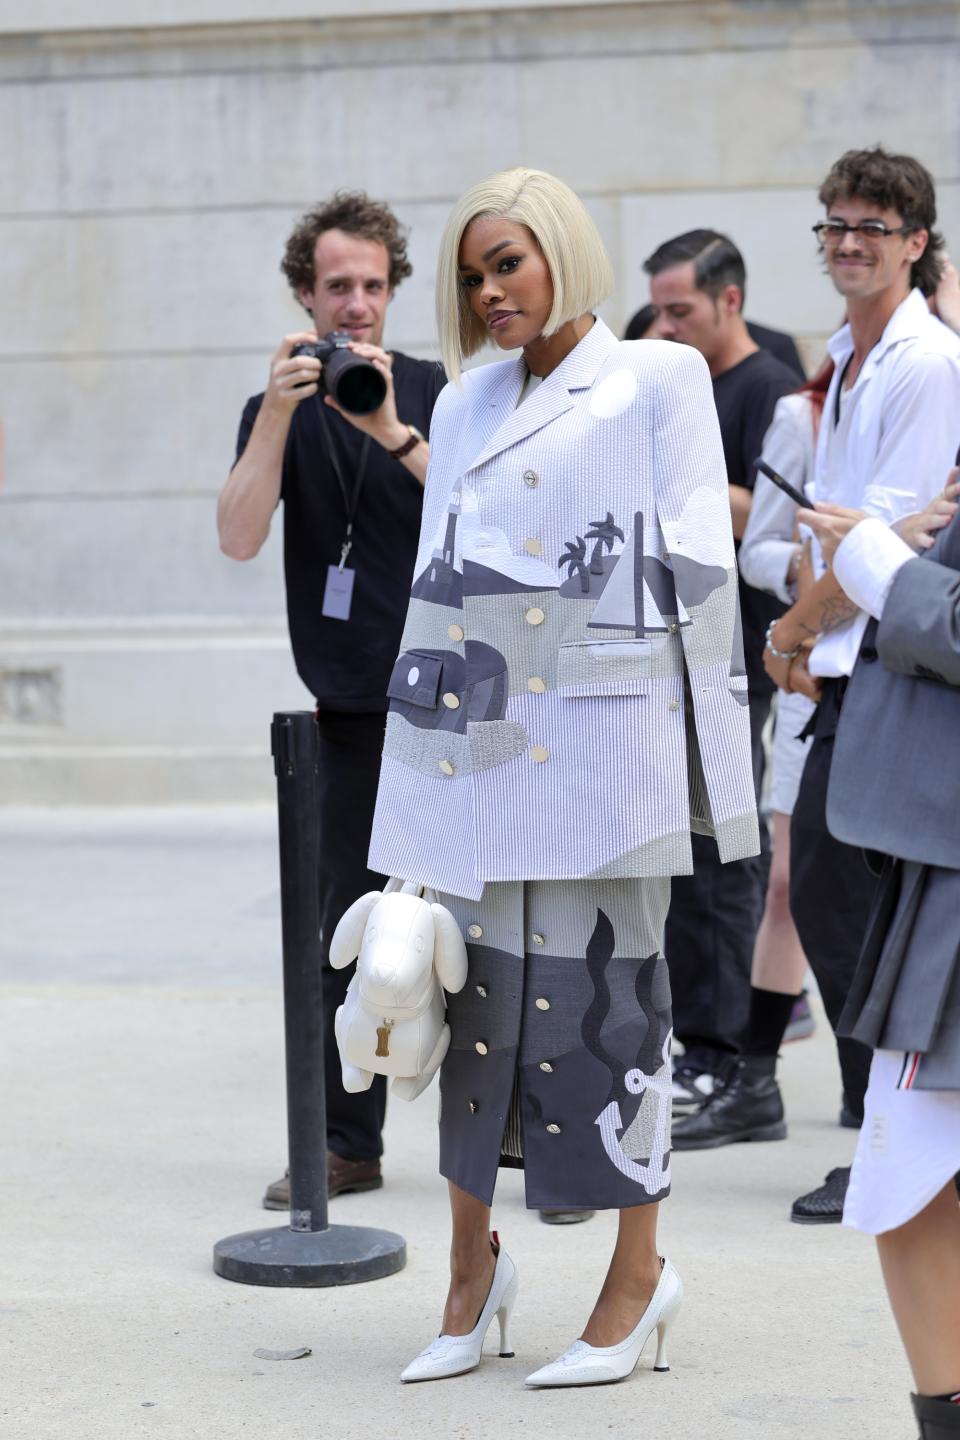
867 563
896 440
768 542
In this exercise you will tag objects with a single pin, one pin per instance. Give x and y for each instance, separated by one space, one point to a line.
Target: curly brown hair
353 212
893 182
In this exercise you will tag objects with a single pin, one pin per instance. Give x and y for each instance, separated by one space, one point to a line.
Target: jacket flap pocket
604 667
416 679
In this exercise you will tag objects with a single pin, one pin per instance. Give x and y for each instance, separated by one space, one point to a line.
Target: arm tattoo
836 611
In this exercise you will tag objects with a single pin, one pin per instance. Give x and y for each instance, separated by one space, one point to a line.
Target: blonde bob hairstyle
569 240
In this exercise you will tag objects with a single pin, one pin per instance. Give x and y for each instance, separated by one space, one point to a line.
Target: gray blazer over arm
919 634
900 709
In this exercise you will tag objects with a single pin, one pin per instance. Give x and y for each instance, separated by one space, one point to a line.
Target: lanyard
350 502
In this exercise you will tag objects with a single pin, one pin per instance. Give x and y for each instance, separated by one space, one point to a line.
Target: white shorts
789 754
909 1147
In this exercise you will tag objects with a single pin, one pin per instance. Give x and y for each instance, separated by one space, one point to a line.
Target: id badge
338 593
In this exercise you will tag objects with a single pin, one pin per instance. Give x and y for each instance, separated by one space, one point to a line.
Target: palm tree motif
576 561
604 532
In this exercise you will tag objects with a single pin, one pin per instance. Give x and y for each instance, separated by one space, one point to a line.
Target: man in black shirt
352 492
697 282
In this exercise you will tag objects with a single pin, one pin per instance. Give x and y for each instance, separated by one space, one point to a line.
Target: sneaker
823 1206
802 1024
692 1087
748 1107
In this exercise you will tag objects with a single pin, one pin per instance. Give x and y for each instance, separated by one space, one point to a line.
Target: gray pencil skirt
559 1059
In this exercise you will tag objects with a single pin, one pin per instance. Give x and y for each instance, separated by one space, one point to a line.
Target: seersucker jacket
570 699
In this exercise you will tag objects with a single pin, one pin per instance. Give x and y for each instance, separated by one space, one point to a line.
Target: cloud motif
614 394
703 531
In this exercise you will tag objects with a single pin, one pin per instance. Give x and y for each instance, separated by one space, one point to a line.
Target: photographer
352 492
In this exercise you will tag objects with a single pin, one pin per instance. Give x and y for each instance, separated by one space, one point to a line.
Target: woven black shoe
938 1419
823 1206
748 1107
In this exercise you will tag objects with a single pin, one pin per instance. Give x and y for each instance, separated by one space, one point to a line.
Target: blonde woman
569 701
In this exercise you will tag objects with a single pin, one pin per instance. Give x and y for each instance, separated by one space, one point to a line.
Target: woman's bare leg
631 1279
921 1267
472 1262
779 963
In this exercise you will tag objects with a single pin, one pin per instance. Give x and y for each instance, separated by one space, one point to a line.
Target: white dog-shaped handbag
408 950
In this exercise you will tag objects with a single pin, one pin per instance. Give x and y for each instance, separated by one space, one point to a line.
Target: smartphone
797 496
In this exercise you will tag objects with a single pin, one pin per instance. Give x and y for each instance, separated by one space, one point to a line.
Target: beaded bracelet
779 654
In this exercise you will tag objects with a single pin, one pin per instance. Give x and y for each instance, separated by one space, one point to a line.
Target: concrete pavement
142 1076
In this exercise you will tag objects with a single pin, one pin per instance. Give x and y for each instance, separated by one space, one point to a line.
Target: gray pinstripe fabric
590 763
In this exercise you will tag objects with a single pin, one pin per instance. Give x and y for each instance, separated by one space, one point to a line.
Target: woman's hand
920 531
830 524
799 679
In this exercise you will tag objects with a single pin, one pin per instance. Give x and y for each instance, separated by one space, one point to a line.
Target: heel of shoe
661 1364
503 1319
776 1131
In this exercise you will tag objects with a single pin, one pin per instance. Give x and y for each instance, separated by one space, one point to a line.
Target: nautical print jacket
570 700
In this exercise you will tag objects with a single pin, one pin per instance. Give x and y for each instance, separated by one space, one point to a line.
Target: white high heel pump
585 1364
456 1354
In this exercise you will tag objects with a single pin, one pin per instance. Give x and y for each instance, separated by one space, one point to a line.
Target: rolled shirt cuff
867 562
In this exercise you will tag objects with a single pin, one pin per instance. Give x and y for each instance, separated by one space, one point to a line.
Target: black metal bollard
308 1252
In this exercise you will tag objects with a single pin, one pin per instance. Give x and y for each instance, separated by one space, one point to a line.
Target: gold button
537 685
539 752
474 931
543 1004
531 478
538 939
546 1067
480 1047
673 704
451 701
535 616
482 991
533 546
553 1129
446 767
455 632
474 1107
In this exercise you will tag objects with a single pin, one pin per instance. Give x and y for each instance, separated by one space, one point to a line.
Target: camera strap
351 501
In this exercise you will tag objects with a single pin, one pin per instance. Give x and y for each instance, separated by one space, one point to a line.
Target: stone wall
148 178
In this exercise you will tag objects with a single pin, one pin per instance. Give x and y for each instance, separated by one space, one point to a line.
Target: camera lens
355 383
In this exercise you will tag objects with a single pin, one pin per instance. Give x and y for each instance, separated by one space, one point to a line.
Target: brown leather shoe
343 1177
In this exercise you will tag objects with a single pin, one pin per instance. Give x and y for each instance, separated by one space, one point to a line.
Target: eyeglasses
831 232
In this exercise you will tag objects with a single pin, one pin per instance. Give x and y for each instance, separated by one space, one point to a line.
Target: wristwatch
408 445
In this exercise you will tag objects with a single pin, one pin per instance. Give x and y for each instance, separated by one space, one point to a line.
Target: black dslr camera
355 383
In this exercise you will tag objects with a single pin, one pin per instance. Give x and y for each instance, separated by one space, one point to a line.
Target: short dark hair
640 323
353 212
716 260
892 182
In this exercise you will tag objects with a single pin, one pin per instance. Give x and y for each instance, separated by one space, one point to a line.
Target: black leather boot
938 1419
749 1107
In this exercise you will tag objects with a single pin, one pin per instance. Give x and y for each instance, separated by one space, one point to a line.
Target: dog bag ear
449 951
348 936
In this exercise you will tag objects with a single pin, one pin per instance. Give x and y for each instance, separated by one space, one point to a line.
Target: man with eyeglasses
890 428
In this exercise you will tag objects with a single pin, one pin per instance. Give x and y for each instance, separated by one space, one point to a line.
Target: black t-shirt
745 398
347 664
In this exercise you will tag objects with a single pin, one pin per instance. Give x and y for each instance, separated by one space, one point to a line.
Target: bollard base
339 1255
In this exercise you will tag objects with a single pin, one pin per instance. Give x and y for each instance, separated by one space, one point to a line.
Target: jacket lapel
510 424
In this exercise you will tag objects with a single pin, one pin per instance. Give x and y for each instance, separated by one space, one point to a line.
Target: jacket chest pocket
604 667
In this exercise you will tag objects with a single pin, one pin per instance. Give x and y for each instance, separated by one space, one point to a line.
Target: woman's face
506 279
